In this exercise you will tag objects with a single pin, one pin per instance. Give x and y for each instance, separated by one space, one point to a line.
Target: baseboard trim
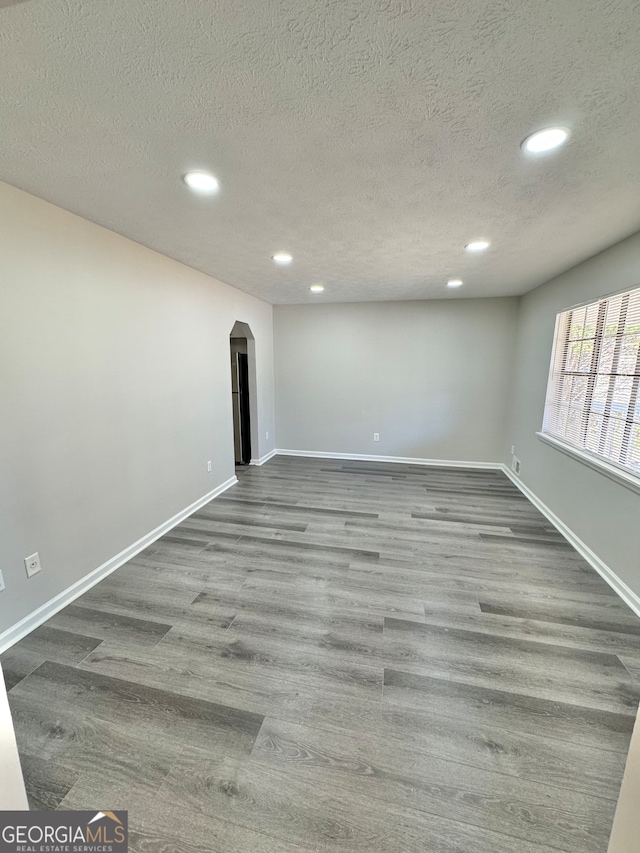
404 460
264 458
617 584
46 611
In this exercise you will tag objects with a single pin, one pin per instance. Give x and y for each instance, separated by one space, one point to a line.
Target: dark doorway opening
241 401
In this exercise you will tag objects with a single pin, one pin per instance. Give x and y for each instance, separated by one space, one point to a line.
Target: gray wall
115 390
431 377
602 513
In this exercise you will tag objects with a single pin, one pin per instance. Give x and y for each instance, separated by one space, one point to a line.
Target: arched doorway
243 393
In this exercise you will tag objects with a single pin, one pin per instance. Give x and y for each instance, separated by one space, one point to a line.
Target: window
593 396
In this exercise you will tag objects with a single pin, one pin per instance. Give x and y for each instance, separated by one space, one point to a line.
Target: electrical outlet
209 465
1 582
513 450
266 435
515 465
376 436
32 565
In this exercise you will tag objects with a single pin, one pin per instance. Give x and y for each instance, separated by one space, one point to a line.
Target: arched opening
243 393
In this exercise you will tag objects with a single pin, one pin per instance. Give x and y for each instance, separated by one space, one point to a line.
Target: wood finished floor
340 656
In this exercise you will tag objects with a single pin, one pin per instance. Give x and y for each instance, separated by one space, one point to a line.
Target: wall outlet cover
376 436
32 565
1 582
209 465
266 435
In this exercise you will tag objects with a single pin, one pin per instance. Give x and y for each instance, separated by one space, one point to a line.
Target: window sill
615 474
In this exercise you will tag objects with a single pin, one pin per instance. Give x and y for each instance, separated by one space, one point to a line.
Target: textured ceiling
370 138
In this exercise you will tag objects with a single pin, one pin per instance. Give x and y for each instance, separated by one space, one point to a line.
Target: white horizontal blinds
593 398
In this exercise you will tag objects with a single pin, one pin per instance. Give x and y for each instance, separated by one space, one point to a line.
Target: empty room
319 426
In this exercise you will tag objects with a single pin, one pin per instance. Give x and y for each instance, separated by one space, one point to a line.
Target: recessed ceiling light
282 258
477 246
454 282
545 140
201 182
316 288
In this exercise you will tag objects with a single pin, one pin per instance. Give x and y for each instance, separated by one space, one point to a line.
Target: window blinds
593 396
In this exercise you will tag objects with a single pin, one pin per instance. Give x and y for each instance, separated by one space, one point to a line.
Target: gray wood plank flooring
340 656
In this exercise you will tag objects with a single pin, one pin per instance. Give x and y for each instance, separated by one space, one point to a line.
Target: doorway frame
241 329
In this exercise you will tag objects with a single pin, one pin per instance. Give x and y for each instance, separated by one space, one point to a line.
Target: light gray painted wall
602 513
115 390
431 377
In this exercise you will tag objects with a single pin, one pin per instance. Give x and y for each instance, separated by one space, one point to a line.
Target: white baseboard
264 458
46 611
404 460
617 584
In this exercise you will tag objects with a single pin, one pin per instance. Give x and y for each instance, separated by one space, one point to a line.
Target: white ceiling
370 138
